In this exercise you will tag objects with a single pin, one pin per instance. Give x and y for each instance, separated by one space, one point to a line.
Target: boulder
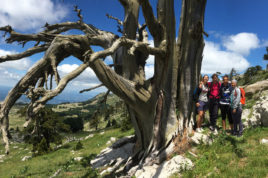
199 138
255 88
258 115
110 154
166 169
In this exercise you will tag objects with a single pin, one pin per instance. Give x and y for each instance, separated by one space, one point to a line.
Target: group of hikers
214 95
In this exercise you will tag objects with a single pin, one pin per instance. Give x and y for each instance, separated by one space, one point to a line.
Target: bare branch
92 88
135 45
62 84
115 18
23 38
152 23
28 52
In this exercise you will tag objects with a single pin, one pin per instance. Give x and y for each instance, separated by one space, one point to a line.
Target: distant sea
64 97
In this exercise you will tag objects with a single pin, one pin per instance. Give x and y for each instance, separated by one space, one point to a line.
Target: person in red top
214 98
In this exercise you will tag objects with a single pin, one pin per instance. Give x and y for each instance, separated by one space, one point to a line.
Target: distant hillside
65 96
251 77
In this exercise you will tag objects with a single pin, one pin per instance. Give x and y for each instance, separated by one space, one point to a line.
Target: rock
255 88
166 169
113 139
102 133
109 142
264 141
258 115
78 158
15 147
89 136
2 156
123 141
199 138
26 158
110 154
106 171
56 173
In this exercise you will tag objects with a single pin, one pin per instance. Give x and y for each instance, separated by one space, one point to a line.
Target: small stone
26 158
2 156
264 141
78 158
89 136
109 142
113 139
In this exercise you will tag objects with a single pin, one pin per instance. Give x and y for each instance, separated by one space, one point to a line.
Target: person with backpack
225 101
214 98
236 107
201 99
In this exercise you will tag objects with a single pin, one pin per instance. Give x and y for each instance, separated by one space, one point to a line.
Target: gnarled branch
27 53
92 88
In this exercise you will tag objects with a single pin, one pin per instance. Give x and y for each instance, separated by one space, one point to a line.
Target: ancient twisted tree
161 108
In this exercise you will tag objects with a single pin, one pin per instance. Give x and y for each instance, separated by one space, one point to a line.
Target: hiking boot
239 135
234 133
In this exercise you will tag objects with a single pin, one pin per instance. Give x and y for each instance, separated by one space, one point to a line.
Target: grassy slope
46 165
229 156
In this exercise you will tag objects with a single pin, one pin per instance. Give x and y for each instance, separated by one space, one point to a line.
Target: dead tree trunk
160 107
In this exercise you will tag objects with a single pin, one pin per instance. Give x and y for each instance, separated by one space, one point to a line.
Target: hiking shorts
203 106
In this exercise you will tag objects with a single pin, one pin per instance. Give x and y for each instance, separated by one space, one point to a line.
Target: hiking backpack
243 96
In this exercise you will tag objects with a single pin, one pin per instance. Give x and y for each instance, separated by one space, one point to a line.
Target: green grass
46 165
230 156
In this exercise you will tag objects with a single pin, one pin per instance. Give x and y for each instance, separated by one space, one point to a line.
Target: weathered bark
190 44
154 103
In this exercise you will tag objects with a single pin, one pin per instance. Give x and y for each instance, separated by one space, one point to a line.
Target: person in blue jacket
225 102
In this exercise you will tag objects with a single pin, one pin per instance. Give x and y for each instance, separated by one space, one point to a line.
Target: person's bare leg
199 119
232 126
224 124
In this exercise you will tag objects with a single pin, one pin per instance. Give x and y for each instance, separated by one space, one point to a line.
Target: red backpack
243 96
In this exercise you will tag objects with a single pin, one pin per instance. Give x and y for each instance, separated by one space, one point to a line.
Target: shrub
78 146
47 129
75 124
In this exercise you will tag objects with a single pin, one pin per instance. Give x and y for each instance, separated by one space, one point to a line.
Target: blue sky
237 33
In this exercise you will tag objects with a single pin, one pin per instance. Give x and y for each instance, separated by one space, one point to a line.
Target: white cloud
30 14
241 43
218 60
84 80
22 64
12 71
150 60
149 71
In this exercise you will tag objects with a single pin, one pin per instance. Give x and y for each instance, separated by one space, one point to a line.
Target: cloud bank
230 52
30 14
